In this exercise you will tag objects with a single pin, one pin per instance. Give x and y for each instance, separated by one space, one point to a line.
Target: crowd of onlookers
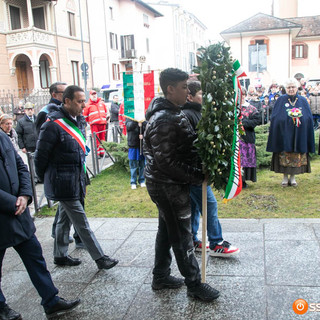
264 98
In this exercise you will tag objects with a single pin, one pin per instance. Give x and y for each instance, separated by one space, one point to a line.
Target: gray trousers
72 212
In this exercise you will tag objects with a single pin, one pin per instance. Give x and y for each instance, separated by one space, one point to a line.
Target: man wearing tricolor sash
60 163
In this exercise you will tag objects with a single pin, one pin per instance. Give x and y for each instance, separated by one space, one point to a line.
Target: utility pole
83 61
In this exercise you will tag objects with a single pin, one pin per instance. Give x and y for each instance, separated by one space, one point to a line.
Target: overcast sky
219 15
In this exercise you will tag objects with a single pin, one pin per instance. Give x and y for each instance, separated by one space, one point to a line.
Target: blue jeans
213 224
136 165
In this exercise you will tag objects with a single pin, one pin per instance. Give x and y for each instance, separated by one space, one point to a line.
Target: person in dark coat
250 119
26 130
135 130
114 129
17 230
217 246
170 169
56 92
60 163
291 136
18 113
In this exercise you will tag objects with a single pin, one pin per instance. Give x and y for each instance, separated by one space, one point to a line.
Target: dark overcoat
14 182
284 134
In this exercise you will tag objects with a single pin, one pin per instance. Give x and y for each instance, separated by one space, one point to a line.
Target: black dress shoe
7 313
67 261
106 262
61 307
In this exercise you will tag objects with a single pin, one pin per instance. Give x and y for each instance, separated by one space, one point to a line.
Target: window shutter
110 35
132 41
266 41
122 46
293 52
305 51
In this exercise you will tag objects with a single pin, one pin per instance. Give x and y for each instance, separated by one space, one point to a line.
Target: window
146 21
113 41
115 71
38 18
257 57
111 13
261 42
15 17
72 26
75 72
44 74
299 51
147 45
127 46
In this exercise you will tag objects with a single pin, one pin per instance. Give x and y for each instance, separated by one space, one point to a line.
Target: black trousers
174 230
30 252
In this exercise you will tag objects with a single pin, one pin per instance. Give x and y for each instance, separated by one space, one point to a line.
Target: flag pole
204 231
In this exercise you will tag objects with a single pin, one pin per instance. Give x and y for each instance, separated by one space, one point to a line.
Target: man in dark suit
17 230
26 130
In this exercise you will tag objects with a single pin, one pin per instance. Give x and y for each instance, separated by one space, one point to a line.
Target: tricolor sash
74 132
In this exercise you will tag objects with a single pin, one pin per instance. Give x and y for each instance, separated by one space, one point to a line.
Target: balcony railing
34 36
129 54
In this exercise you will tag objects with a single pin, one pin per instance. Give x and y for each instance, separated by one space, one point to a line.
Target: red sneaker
224 250
198 246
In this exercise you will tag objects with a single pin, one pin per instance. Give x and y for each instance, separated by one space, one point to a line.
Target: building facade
179 34
272 49
122 39
40 43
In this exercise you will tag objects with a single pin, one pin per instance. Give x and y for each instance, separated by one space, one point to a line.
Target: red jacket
122 119
95 112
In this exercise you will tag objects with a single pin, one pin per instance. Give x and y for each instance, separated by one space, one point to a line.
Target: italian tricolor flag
138 91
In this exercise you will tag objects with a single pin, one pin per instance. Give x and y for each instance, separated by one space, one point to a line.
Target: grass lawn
110 195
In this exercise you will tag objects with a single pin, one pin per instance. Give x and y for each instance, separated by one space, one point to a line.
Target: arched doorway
45 76
24 73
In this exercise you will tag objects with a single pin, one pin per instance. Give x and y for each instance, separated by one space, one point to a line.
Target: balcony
129 54
34 37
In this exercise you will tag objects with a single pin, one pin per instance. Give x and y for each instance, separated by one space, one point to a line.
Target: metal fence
94 165
10 99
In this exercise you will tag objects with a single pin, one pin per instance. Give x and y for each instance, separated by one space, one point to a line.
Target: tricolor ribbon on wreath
234 185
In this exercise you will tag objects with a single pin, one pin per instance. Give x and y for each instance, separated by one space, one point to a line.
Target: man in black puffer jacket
170 169
60 163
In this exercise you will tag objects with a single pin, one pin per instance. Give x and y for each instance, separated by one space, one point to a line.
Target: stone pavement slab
279 262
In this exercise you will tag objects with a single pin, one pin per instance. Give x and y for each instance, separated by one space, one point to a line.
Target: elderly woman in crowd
6 123
291 136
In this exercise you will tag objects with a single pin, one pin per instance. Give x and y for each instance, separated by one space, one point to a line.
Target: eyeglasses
291 87
59 92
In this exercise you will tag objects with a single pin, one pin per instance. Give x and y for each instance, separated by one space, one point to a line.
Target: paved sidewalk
279 262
